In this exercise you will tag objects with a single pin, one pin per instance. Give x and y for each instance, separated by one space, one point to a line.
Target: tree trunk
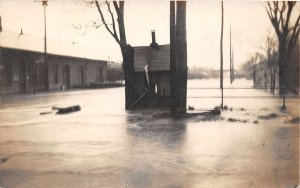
282 58
273 80
128 59
129 75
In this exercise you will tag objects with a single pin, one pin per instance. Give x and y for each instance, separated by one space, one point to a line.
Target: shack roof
157 58
23 41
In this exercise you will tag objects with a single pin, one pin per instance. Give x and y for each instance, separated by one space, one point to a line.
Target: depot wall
24 71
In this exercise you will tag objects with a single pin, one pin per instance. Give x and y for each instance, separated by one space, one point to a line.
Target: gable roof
158 58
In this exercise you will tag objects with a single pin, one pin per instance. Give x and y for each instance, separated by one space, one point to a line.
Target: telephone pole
221 55
46 66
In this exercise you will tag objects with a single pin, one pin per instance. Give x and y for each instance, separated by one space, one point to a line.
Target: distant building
115 72
23 68
154 87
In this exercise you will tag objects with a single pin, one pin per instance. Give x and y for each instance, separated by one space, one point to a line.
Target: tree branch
120 12
294 35
272 13
112 18
105 24
281 19
116 7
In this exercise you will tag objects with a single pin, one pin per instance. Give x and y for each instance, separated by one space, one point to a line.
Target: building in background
115 74
22 65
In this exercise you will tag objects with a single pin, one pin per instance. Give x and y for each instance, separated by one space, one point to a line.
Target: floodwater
104 146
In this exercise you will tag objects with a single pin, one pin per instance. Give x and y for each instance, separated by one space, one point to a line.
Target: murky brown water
104 146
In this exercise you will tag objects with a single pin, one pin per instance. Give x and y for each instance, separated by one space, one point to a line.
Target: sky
249 23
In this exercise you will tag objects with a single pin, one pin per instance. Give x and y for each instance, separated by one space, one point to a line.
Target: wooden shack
152 69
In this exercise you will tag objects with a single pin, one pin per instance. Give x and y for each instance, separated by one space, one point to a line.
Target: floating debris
205 115
67 109
45 113
255 121
191 108
238 120
3 159
225 107
242 109
269 116
293 119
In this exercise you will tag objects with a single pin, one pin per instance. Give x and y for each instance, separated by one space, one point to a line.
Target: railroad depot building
154 59
22 65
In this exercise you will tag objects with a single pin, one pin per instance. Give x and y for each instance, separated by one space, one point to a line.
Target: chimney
153 44
0 24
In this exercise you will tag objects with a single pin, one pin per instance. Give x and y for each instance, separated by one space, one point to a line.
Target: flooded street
104 146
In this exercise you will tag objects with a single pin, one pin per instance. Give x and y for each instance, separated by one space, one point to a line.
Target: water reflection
156 150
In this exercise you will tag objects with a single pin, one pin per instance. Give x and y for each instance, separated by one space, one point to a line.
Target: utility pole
173 102
221 55
46 66
44 3
230 56
1 66
178 58
231 60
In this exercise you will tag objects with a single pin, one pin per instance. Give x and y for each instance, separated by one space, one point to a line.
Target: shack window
155 88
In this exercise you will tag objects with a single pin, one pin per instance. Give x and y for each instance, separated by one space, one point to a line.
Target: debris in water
45 113
225 107
264 109
242 109
211 118
230 109
191 108
205 115
238 120
269 116
282 109
3 159
67 109
255 122
292 119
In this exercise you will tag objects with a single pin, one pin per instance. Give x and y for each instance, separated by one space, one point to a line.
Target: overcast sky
249 22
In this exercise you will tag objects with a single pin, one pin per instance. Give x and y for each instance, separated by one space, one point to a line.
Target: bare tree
272 64
280 15
117 21
254 60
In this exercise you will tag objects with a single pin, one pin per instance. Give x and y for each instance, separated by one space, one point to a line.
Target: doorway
66 76
22 75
